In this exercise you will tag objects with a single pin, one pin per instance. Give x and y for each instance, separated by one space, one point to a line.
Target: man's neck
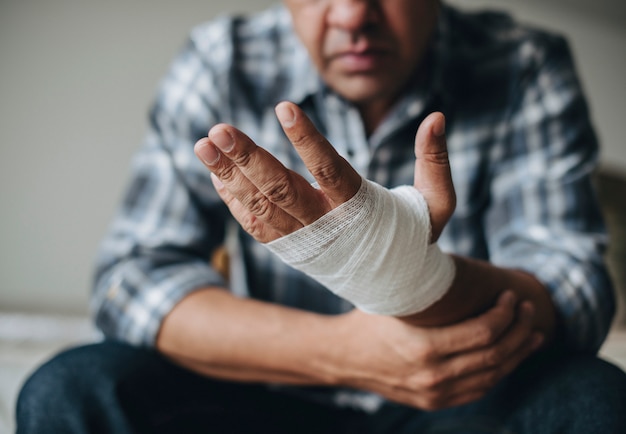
373 113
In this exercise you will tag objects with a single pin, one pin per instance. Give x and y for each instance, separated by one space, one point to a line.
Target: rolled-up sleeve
544 217
158 247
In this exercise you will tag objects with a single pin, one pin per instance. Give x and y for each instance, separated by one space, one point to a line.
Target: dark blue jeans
115 388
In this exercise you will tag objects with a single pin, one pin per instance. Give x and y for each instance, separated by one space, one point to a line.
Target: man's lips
362 60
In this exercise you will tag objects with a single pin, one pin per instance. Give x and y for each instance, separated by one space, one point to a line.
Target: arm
219 335
544 217
270 201
154 287
154 278
477 284
545 234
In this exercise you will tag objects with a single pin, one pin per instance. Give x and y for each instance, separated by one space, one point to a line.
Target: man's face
366 50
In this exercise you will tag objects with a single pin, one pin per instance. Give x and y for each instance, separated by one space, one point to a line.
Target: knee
592 377
47 387
580 394
48 394
599 386
63 388
59 384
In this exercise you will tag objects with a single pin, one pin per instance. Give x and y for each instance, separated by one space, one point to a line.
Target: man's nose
352 15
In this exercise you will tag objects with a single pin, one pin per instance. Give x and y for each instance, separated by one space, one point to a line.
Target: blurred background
76 80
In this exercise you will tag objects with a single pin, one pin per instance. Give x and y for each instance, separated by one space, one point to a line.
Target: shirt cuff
132 302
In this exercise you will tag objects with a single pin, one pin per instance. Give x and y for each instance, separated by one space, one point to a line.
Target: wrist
349 356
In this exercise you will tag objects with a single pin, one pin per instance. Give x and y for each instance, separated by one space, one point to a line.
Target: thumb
432 172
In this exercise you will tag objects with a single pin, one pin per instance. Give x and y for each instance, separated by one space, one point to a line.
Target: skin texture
452 353
216 334
270 201
366 50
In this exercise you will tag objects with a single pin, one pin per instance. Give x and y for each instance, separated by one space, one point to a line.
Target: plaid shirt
521 150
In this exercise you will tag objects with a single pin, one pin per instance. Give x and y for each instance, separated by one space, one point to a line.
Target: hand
435 368
270 201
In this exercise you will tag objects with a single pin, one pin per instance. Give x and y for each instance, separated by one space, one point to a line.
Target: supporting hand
438 367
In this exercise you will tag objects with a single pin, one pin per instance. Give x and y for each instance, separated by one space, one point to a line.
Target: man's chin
364 89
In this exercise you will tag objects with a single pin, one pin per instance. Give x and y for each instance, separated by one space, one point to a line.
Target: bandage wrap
374 251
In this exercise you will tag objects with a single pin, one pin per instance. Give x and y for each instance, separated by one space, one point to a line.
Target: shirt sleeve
158 247
543 214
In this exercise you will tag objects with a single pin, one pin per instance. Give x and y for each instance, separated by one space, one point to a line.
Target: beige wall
76 78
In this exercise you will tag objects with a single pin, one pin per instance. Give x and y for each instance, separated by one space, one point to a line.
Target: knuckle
493 357
302 140
485 335
432 402
426 351
259 205
439 158
230 201
328 174
431 380
281 192
449 205
227 173
251 225
241 158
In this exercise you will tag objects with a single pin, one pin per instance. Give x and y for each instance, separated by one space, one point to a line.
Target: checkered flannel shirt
521 149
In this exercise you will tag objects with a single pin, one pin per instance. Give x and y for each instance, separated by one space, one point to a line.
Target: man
279 352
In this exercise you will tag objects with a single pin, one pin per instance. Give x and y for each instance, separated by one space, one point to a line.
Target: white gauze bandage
374 251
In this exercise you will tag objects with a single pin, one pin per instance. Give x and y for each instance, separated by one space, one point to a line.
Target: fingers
512 347
240 187
453 391
476 332
462 399
271 192
335 176
261 231
433 177
257 184
463 377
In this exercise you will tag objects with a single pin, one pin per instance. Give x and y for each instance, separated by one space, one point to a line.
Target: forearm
222 336
475 288
215 334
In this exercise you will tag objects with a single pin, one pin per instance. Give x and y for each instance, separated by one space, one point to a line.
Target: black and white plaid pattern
521 149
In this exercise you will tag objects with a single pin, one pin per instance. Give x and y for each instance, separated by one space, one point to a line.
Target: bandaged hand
272 202
374 251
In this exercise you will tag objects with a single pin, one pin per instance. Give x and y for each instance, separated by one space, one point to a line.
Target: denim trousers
111 387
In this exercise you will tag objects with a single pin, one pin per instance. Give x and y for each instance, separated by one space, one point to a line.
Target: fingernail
439 129
216 181
285 115
207 153
222 140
